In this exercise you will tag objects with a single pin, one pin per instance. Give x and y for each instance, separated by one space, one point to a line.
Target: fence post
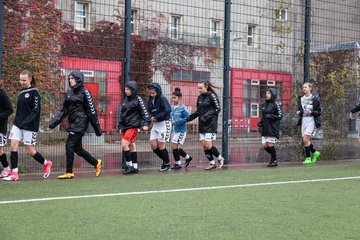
1 34
307 41
226 79
127 42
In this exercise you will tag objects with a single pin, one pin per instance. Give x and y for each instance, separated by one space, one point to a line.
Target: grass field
325 209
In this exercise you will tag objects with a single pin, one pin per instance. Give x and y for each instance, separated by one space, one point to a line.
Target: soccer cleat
187 161
47 169
165 168
210 167
307 160
66 176
315 156
220 163
126 168
14 176
98 168
272 164
131 170
5 173
176 166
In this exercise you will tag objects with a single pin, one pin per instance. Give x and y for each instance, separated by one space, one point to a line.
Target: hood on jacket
79 76
157 88
273 93
132 85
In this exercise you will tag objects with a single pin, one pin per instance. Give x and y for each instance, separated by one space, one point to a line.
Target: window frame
133 21
177 28
82 22
281 14
250 36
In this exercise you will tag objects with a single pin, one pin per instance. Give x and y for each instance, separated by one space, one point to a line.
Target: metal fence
246 46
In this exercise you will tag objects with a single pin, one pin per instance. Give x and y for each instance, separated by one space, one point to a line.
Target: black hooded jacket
270 116
208 109
159 107
79 108
5 111
133 113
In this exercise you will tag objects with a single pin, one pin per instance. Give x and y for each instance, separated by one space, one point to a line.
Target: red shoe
14 176
5 173
47 169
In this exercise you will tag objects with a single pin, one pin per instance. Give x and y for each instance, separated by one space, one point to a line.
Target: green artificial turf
314 210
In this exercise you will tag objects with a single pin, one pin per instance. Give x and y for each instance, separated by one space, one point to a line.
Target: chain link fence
178 44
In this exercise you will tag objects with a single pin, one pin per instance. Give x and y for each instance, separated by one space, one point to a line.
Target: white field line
178 190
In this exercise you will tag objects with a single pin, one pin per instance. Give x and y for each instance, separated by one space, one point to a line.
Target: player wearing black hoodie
5 111
160 109
133 116
270 124
80 110
26 126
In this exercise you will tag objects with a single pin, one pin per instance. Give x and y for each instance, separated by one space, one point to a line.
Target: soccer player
309 111
270 125
159 108
208 108
26 126
79 108
133 116
5 111
179 115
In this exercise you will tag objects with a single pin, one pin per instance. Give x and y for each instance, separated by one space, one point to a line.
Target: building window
214 28
214 39
250 35
175 27
281 14
190 75
133 21
254 110
81 16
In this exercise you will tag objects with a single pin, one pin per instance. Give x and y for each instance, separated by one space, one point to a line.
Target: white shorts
268 140
179 137
161 131
308 127
25 136
3 140
207 136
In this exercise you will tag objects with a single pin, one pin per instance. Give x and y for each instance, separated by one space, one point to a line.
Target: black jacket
28 108
270 116
79 108
316 111
208 108
159 107
5 111
133 113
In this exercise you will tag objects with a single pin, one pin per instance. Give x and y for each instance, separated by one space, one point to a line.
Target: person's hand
120 131
145 128
298 113
351 115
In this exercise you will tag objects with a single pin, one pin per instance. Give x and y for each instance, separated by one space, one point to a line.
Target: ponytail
210 87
